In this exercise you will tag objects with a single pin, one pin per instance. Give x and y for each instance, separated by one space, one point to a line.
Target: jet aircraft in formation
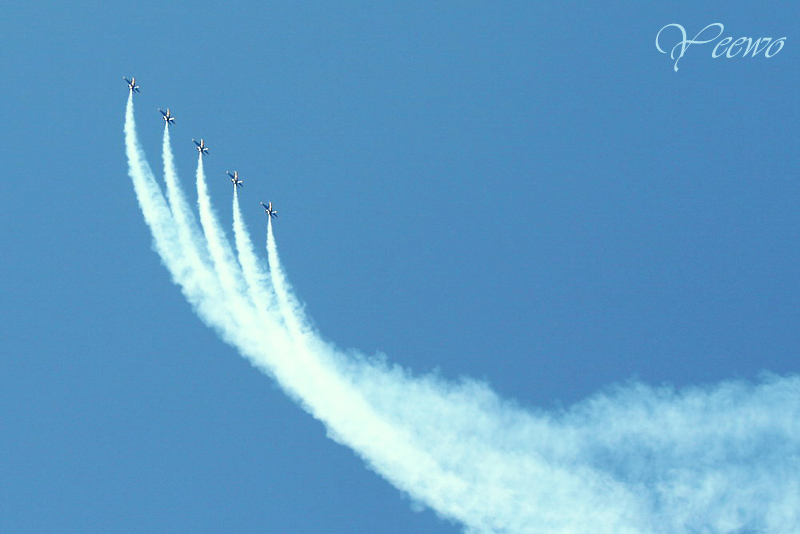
235 179
132 84
201 147
168 118
268 208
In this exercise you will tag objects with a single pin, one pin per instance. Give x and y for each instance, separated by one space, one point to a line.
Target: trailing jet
201 147
268 208
235 179
168 118
132 84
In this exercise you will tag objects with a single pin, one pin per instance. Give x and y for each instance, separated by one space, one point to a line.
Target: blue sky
528 195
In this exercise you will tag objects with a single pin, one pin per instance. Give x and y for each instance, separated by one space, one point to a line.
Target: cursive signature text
728 46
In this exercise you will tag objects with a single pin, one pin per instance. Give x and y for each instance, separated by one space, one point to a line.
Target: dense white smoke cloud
634 459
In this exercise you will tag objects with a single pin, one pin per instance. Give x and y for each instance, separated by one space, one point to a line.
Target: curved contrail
634 459
192 243
254 271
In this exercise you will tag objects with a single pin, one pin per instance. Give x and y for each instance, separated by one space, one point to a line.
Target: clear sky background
523 193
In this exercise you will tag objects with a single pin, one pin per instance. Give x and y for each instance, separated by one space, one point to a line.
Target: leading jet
268 208
201 147
168 118
235 179
132 84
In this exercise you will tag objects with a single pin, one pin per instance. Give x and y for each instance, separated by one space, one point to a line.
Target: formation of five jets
201 147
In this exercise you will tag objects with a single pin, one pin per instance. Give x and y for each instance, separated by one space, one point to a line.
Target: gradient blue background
523 193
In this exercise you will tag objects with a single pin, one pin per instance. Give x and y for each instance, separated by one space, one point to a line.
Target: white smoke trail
290 309
151 201
722 459
433 464
349 420
262 299
228 271
192 244
258 285
182 248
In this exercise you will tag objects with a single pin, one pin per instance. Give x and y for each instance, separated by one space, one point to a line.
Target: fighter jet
235 179
201 147
168 118
131 84
268 208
